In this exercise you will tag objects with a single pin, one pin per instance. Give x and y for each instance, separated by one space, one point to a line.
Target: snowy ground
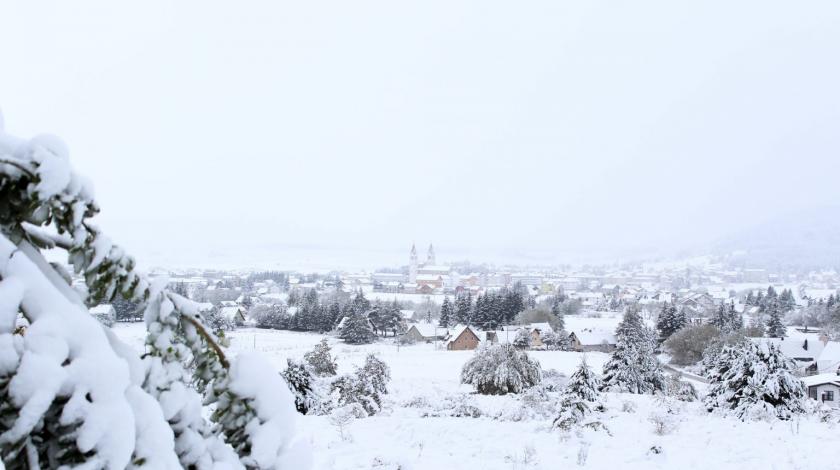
424 377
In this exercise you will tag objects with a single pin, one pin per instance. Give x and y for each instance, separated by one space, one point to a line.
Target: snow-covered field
425 378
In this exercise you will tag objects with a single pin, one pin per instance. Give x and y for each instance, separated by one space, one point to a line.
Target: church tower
430 256
412 265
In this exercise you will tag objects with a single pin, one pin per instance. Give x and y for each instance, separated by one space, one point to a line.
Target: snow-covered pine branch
76 393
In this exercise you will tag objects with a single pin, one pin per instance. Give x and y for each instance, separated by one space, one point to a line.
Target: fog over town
386 235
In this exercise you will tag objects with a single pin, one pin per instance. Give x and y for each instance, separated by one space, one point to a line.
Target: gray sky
340 132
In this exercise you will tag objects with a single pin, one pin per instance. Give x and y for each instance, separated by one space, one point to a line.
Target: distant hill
803 240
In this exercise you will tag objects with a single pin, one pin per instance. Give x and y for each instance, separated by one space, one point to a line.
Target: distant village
422 285
419 302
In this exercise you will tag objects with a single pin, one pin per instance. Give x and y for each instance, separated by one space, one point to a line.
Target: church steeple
430 256
412 265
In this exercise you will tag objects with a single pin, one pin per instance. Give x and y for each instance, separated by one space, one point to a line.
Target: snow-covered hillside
416 429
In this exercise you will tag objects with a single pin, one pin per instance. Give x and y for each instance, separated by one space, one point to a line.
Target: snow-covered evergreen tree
720 319
757 325
501 369
74 394
580 397
633 366
375 375
463 309
583 383
480 315
319 360
755 381
447 314
270 316
357 330
775 327
726 319
670 321
736 320
300 382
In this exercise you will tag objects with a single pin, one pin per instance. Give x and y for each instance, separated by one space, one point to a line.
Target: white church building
427 277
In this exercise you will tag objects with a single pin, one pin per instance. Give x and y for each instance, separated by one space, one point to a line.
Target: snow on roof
543 327
428 277
438 268
821 379
594 335
802 349
429 329
407 313
231 313
829 358
458 330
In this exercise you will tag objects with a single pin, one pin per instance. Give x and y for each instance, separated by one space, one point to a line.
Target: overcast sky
340 132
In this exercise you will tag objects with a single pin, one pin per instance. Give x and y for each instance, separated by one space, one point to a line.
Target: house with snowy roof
462 338
698 304
824 388
235 313
592 339
507 333
812 352
424 332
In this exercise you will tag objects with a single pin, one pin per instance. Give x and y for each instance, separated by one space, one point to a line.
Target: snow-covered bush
663 422
753 381
74 395
534 403
556 341
272 316
500 369
319 359
686 346
525 459
456 406
680 389
301 384
343 416
418 401
364 387
523 339
628 406
553 380
464 407
346 390
218 322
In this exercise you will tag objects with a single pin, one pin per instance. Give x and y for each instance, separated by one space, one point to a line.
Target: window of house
828 395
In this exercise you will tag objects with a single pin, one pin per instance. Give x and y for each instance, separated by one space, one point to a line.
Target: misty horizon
542 134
